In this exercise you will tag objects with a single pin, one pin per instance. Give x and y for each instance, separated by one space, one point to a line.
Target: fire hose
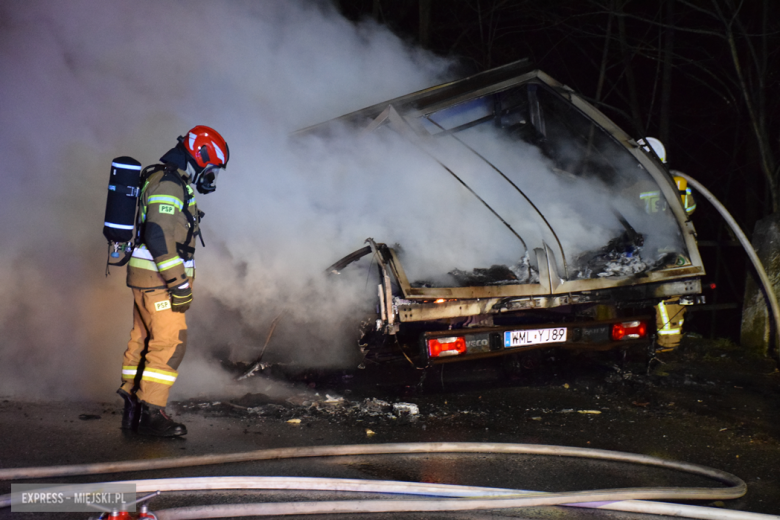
468 498
748 247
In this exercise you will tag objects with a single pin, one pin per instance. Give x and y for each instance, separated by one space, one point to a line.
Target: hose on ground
406 489
735 486
405 506
486 495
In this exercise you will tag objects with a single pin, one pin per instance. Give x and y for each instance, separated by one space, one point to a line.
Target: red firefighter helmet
206 146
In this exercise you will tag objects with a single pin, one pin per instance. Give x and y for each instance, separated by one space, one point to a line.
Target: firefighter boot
131 412
154 421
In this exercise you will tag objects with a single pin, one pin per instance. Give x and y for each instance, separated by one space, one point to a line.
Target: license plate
522 338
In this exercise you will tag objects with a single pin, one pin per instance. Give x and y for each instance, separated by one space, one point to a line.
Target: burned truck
580 228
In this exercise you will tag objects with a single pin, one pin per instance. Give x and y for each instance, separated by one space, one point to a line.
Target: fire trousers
156 347
669 318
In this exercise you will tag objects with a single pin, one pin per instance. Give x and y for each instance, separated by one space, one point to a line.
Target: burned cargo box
581 230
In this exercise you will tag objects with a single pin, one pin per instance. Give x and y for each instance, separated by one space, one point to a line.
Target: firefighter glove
181 297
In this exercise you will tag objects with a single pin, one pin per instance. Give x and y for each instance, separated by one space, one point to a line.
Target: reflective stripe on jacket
168 224
143 259
689 203
670 326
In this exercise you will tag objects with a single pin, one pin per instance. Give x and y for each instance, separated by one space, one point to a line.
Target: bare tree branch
767 160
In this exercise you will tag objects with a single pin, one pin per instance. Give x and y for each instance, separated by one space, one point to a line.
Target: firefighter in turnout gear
669 314
669 318
161 273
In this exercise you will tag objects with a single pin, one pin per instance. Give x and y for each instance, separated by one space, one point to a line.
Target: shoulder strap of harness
172 172
148 171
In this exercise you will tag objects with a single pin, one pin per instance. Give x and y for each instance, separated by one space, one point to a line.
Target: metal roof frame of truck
407 116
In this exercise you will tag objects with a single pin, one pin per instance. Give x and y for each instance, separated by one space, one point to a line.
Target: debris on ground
333 400
374 406
406 408
293 408
585 387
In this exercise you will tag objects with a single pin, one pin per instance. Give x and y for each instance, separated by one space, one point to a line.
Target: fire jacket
689 203
168 227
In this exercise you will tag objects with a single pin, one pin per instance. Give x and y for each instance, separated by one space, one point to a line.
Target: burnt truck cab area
456 324
568 231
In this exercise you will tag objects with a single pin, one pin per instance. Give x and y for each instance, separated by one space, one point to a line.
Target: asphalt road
706 405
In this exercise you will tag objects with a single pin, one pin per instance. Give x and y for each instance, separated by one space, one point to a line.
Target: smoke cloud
89 80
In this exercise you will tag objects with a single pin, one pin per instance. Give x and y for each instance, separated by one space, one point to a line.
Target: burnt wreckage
592 217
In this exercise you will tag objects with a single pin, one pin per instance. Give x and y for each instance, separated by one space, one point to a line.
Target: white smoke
85 81
89 80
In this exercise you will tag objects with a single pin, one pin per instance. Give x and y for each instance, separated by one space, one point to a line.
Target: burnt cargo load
586 234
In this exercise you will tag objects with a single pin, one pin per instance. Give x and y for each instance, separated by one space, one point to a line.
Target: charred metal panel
439 95
350 258
448 309
460 308
640 293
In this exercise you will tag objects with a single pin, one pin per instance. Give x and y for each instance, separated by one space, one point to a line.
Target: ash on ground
588 386
306 405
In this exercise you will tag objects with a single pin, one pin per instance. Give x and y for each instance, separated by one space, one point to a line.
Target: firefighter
669 318
161 273
669 314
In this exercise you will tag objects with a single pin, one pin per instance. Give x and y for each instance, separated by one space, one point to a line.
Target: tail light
629 330
441 347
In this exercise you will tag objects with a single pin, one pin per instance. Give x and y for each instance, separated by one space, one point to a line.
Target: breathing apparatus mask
206 180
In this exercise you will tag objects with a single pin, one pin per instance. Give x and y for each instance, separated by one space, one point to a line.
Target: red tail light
629 330
440 347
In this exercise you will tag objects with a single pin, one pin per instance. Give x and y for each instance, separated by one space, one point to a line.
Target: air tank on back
123 191
122 199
